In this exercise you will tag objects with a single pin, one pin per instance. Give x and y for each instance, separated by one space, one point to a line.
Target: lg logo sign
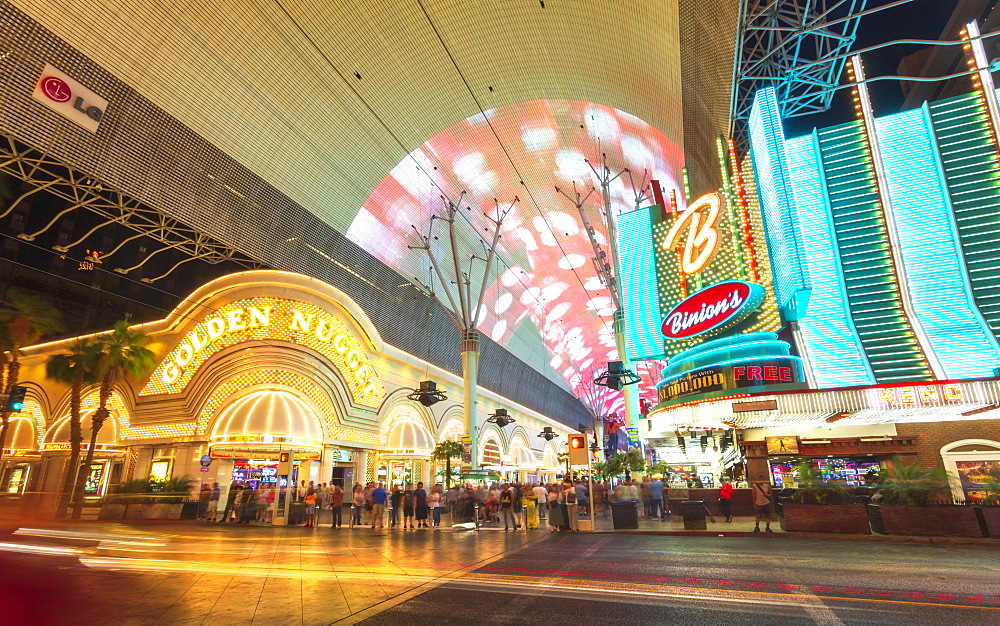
57 90
68 98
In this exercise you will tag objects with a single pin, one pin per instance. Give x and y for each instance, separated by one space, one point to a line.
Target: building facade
259 363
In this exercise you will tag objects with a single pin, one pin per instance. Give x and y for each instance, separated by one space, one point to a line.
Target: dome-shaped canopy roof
268 416
522 457
549 459
59 433
21 434
410 435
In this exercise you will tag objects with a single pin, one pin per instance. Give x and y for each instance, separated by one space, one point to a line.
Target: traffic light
578 449
15 401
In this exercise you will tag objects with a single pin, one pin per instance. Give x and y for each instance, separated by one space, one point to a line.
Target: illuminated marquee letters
698 222
919 395
209 331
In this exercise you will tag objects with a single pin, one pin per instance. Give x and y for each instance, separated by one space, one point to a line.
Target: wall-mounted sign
698 225
712 308
760 405
752 373
260 319
70 99
782 445
919 395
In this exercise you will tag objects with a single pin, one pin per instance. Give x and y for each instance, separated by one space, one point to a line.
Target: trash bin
296 513
624 515
694 514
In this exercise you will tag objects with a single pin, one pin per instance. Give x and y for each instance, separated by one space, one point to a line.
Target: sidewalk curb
906 539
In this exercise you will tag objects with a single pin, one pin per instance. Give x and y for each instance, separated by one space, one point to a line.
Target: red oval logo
56 89
710 308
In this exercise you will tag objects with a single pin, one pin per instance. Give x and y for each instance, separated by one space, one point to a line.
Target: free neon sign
711 308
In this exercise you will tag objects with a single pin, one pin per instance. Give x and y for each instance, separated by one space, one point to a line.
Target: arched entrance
971 463
109 455
20 455
250 434
409 446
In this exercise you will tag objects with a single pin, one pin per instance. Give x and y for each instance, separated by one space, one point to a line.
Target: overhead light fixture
548 433
500 418
616 377
427 393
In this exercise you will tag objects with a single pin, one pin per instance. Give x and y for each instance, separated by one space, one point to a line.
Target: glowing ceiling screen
545 276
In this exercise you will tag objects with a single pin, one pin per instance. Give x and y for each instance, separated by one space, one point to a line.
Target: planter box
163 511
991 515
826 518
958 521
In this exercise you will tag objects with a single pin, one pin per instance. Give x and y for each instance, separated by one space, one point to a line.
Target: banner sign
753 373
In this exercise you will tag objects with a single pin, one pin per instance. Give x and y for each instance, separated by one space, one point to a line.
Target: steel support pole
470 376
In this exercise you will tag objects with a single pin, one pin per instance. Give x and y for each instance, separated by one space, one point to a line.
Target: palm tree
26 317
122 356
446 451
77 368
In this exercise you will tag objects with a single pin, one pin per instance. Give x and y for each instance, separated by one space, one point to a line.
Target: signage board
70 99
782 445
760 405
467 444
712 308
206 460
633 438
752 373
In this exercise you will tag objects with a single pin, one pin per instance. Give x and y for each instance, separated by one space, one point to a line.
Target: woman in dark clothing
420 504
408 502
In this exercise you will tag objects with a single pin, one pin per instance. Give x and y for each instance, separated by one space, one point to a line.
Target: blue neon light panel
638 283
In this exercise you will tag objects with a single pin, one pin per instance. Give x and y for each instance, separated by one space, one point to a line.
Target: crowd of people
409 506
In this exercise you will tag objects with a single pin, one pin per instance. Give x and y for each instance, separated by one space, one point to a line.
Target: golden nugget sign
273 319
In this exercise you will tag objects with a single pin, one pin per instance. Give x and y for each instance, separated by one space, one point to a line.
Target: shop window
159 470
93 485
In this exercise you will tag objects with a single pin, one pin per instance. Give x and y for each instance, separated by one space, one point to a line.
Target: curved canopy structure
409 437
58 433
21 434
268 417
522 458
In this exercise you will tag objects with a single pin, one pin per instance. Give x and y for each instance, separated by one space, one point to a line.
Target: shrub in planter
822 506
917 501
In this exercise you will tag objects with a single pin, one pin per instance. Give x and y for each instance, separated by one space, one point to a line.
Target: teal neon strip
936 279
835 351
638 282
781 225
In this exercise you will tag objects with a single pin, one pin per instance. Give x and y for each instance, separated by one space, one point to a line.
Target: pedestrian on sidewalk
310 500
434 501
569 500
358 500
336 496
763 500
230 500
656 500
726 498
408 506
556 515
378 497
213 503
420 504
542 496
395 505
506 506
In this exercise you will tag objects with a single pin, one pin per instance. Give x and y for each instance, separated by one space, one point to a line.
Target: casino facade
834 303
259 363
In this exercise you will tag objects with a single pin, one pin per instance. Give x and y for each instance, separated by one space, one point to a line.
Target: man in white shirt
541 494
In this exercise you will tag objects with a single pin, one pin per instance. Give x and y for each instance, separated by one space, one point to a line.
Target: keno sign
713 307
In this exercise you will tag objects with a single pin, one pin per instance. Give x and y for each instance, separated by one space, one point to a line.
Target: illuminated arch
453 430
268 416
407 432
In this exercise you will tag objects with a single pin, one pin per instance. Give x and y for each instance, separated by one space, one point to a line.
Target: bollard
475 514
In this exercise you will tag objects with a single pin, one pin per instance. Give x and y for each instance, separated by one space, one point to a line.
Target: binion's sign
712 308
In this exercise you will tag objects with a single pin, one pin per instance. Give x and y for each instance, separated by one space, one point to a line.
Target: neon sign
259 319
699 225
920 395
711 308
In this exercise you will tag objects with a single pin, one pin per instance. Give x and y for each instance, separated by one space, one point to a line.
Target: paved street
91 573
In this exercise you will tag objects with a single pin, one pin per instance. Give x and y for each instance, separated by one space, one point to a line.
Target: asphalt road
617 579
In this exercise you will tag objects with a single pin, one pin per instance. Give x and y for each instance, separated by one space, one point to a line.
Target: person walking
557 518
542 497
379 497
726 498
213 503
506 506
230 500
656 500
358 502
262 494
408 503
203 497
336 498
310 500
395 505
420 505
435 502
518 507
569 500
763 500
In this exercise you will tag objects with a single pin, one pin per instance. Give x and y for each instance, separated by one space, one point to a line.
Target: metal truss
799 47
83 191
